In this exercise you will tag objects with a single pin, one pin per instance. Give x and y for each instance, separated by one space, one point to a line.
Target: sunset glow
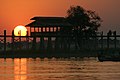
20 31
13 12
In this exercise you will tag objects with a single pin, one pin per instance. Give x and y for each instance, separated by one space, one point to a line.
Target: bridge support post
34 43
27 40
13 40
41 43
102 40
4 40
108 38
56 44
114 33
49 45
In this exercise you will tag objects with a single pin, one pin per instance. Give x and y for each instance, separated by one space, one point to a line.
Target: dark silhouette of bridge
50 36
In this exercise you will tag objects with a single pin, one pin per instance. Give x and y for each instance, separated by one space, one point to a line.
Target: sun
20 31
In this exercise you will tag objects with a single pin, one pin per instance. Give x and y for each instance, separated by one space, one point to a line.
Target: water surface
58 69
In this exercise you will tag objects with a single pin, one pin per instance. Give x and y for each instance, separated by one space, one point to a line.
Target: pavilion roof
49 22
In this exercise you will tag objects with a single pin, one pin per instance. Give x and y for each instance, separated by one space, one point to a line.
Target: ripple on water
58 69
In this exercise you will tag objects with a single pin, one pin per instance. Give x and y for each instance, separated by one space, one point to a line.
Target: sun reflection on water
20 69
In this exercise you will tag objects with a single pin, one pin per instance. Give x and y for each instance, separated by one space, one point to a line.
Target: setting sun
20 31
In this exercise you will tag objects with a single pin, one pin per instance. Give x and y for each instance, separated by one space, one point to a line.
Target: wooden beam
4 40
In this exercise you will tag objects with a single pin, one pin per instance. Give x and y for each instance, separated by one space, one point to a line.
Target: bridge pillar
27 40
115 39
13 40
4 40
34 43
102 40
56 44
108 38
42 43
49 45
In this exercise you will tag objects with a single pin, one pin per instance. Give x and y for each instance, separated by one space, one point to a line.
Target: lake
58 69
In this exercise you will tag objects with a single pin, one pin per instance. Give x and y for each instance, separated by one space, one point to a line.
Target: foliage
86 22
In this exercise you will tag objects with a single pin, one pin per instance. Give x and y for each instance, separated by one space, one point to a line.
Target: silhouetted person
114 33
109 33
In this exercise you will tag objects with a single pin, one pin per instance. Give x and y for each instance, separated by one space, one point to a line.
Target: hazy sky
19 12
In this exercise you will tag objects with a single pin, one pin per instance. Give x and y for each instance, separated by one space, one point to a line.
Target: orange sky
16 12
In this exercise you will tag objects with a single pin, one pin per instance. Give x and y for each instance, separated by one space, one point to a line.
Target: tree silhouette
86 22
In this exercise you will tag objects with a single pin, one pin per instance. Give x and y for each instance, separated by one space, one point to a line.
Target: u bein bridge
47 38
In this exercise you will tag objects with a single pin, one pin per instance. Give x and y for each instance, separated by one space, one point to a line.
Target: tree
86 22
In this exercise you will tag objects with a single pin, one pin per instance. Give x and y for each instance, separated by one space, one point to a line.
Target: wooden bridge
47 35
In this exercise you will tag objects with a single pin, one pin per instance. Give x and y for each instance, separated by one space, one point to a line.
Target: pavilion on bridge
50 27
